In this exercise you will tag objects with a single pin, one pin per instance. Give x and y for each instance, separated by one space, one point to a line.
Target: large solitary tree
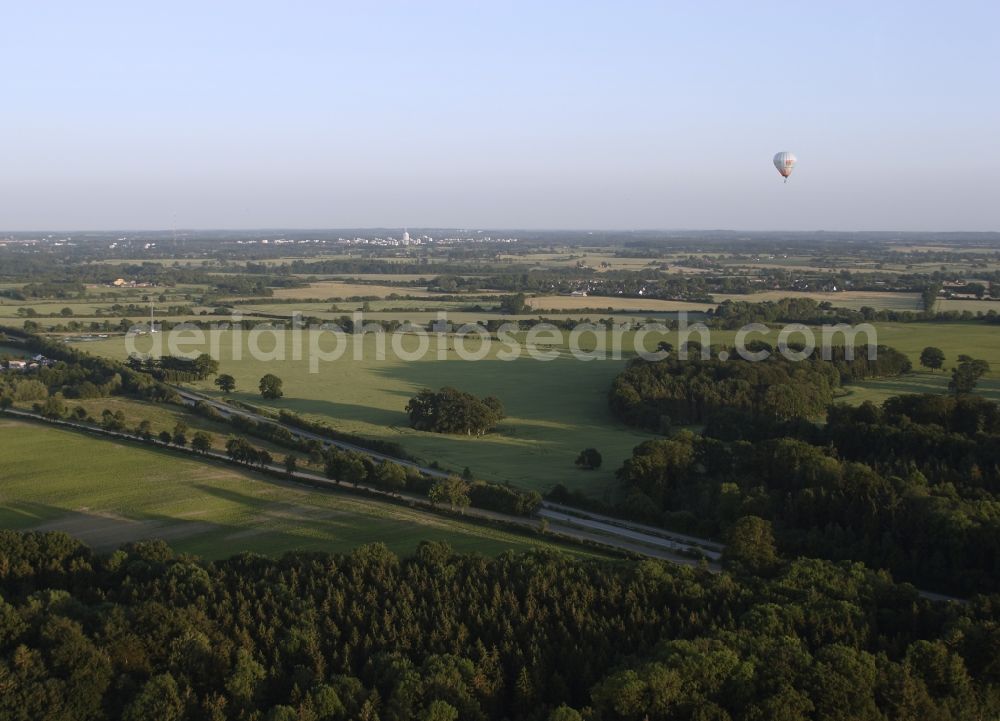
226 383
270 386
931 357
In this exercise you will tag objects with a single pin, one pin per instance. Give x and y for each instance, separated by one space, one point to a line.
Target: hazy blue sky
500 114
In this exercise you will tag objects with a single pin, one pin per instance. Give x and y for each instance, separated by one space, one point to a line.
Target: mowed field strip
108 492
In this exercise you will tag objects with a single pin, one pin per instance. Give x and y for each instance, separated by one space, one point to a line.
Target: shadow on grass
307 528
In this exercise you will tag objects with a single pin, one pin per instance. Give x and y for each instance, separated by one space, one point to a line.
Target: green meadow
976 339
108 493
555 408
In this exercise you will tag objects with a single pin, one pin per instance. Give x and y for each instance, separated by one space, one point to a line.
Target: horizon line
483 229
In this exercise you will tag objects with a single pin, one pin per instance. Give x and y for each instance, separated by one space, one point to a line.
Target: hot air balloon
785 163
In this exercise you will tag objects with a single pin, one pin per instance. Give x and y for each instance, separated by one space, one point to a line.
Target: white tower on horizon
406 236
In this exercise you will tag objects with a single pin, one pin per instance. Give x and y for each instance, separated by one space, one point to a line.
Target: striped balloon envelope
785 163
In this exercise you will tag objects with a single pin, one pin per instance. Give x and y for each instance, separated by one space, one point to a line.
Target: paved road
708 547
618 531
563 521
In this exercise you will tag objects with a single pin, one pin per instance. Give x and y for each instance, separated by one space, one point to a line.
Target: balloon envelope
785 163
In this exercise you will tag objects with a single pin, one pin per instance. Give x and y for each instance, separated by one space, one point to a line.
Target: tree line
732 315
656 394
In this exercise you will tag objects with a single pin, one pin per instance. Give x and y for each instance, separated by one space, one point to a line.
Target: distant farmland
576 302
843 299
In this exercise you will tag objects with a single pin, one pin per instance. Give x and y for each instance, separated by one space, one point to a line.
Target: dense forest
912 486
145 634
654 394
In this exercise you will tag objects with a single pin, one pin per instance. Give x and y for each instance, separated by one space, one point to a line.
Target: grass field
918 382
108 493
342 289
555 408
844 299
322 309
975 306
976 339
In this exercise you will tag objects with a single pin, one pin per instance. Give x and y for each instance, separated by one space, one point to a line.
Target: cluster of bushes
497 497
239 450
277 434
175 369
453 411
